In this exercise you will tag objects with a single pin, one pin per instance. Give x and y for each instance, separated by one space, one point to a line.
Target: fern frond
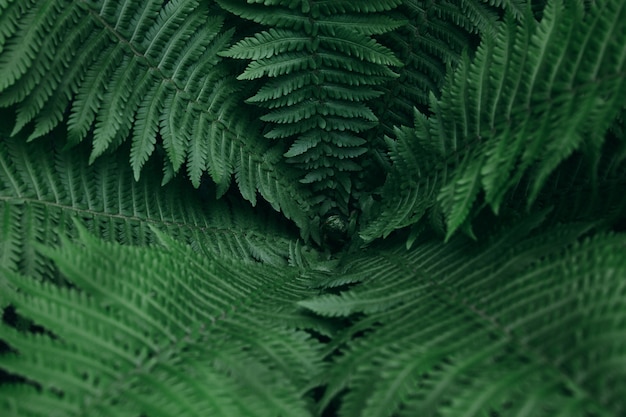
319 70
525 103
557 129
412 197
42 189
354 44
149 73
429 45
162 331
479 15
86 36
270 43
516 323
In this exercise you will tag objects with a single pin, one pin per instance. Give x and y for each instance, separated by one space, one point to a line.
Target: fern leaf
149 342
88 100
429 45
302 145
42 189
479 15
16 58
146 127
320 72
282 65
461 328
175 126
458 197
43 98
365 49
502 126
270 43
406 198
119 68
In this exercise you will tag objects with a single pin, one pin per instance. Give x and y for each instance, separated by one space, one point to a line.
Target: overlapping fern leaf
521 324
320 66
431 42
159 331
111 62
147 72
43 189
533 95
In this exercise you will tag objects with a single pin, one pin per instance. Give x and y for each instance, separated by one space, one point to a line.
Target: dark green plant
427 218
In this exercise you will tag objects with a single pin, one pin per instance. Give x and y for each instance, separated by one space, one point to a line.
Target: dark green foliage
140 72
320 66
531 98
158 330
518 324
44 191
428 217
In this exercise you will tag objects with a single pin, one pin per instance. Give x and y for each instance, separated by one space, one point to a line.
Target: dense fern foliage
529 99
159 330
323 66
517 325
145 73
428 214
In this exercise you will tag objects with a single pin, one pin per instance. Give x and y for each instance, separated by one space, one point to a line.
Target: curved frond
159 331
530 98
543 131
43 190
270 43
148 46
318 70
429 44
405 201
145 72
517 323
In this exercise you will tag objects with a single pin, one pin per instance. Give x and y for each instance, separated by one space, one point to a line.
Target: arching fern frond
43 190
531 97
111 62
319 70
571 58
516 325
146 72
159 331
430 45
408 154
